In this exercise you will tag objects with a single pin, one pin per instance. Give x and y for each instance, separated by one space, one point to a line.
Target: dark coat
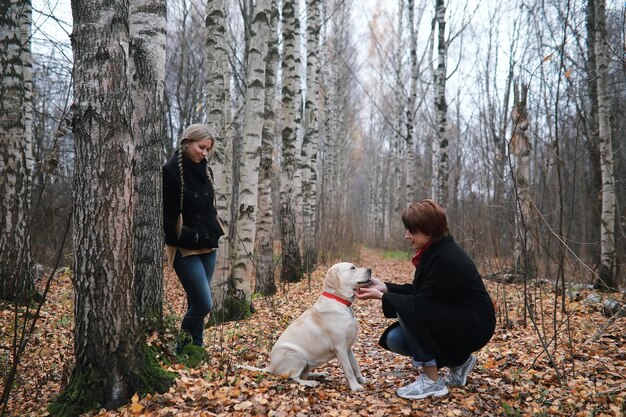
200 228
446 308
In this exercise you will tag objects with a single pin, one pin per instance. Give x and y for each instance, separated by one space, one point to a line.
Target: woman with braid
191 227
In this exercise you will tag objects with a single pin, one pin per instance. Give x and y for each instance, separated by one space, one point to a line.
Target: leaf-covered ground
514 375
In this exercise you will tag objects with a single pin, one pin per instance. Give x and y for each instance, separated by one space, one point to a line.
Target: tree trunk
291 261
520 147
265 283
607 275
16 164
243 266
592 204
311 137
410 159
593 219
112 362
147 50
398 197
217 84
440 154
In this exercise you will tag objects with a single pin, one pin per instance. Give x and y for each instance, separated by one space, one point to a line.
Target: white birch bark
311 136
398 197
16 150
440 148
330 127
331 169
107 332
291 260
217 99
147 52
605 147
326 137
243 266
410 169
265 283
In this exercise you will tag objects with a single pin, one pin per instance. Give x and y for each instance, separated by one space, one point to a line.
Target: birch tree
605 147
265 283
147 51
291 259
112 361
520 148
243 266
218 111
440 152
396 187
311 135
16 163
410 159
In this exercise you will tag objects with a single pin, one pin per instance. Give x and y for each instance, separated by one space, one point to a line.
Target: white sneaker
458 376
423 387
409 387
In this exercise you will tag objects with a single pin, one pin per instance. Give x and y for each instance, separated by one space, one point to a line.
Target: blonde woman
191 227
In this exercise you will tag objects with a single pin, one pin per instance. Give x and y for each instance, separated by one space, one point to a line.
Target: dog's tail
253 368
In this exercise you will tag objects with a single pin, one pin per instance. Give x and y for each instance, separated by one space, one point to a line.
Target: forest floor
515 375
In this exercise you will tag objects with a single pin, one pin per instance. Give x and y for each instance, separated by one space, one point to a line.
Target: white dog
325 331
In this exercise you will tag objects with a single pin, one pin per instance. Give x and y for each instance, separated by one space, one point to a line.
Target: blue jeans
195 273
400 341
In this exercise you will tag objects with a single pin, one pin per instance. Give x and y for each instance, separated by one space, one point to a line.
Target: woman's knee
206 309
200 310
396 342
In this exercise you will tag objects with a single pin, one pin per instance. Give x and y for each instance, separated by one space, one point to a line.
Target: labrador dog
325 331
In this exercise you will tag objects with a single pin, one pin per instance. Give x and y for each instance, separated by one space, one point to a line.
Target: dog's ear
332 279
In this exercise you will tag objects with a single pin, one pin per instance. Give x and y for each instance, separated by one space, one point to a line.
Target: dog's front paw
318 375
361 379
307 382
356 387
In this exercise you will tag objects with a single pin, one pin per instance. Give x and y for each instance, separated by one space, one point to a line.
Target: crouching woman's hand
374 291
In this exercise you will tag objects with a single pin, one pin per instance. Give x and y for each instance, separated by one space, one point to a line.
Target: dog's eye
353 267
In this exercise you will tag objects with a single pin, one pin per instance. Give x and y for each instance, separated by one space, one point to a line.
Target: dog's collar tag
335 297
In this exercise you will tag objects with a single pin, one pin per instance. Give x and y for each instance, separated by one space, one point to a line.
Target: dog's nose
369 271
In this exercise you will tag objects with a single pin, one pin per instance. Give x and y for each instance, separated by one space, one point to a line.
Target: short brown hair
428 217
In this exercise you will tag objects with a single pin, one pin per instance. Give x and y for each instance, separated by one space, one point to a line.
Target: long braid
180 173
179 220
210 177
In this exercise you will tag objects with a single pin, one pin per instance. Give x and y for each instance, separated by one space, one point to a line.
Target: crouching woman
444 315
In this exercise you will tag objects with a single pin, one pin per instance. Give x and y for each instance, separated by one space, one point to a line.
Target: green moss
83 393
151 319
153 378
236 307
192 356
86 389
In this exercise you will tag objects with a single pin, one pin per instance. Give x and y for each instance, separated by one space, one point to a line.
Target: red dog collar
335 297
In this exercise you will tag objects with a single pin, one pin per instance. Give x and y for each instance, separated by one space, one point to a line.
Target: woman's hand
368 293
373 291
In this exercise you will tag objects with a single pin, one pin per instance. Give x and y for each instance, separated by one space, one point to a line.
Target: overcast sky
52 23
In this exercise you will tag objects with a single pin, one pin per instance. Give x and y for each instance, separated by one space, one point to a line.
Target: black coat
446 308
200 228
